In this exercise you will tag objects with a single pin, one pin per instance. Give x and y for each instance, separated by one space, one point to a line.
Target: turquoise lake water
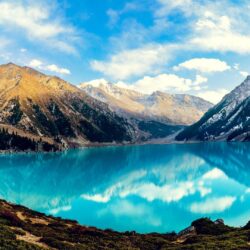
151 188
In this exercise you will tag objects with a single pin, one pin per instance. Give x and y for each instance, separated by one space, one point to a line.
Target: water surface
157 188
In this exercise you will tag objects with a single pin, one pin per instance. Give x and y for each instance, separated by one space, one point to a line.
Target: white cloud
124 85
213 26
207 29
162 82
95 83
243 196
30 18
111 191
114 15
215 173
206 65
38 22
244 73
96 198
165 83
134 62
55 68
137 183
126 208
241 72
136 211
216 33
218 26
150 191
198 81
213 96
212 205
60 209
35 63
166 6
167 193
236 66
23 50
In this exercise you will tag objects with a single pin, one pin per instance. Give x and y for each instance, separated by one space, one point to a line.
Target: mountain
50 109
228 120
162 107
53 114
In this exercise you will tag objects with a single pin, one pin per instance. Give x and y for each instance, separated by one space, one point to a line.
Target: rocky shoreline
22 228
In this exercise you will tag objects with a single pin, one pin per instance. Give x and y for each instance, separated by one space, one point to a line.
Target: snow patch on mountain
228 120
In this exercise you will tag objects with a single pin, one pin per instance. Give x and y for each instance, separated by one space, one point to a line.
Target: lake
150 188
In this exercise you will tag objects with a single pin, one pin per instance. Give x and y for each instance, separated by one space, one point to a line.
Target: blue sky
198 47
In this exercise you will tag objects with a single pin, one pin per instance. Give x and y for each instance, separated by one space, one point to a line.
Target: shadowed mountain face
144 188
37 105
170 109
228 120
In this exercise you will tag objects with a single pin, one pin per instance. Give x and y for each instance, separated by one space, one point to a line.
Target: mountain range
229 120
176 109
41 112
51 111
157 115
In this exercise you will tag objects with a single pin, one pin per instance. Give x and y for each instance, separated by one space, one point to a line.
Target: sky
197 47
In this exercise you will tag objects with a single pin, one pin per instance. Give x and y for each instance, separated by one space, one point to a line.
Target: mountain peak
12 69
96 83
159 93
247 79
10 64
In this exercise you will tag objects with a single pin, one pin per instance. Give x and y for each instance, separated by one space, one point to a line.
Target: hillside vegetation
21 228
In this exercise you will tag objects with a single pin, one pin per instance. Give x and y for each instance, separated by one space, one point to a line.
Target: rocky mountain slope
22 228
228 120
47 108
171 109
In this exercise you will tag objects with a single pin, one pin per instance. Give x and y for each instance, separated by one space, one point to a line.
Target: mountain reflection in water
144 188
